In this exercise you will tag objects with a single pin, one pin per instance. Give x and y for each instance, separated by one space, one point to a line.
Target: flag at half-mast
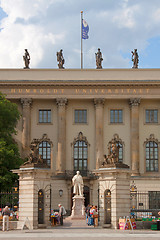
85 29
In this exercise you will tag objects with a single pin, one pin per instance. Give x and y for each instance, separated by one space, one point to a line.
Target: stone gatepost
114 194
34 197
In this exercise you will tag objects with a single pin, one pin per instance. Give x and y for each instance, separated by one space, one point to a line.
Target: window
116 116
80 153
45 116
45 151
152 116
151 156
80 116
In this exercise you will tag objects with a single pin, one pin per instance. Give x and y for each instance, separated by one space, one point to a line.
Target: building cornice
79 75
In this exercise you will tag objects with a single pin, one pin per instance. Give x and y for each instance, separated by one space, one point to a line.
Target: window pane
151 156
116 116
80 152
151 116
80 116
80 155
75 152
44 116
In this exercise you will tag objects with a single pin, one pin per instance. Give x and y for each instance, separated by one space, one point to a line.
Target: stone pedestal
116 183
78 209
32 183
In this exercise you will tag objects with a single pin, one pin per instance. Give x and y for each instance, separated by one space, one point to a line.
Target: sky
44 27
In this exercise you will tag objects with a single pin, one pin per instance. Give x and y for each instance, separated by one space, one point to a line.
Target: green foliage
9 153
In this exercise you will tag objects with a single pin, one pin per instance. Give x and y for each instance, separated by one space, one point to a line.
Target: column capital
61 101
98 101
134 102
26 102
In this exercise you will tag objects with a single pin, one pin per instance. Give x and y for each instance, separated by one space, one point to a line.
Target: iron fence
10 198
145 204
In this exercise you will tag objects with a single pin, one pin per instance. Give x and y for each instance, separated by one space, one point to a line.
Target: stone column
134 105
61 154
26 128
99 103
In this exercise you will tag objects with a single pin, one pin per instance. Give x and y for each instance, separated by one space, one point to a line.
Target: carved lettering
96 90
109 91
41 91
13 90
20 90
102 91
134 91
128 90
62 90
77 90
84 90
27 90
55 90
34 90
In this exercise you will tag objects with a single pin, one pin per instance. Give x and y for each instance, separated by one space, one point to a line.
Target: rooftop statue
26 59
99 59
60 59
77 181
135 58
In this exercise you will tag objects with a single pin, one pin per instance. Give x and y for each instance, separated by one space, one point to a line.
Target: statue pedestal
78 209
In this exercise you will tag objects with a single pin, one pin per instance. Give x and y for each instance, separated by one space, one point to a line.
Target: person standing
6 214
62 212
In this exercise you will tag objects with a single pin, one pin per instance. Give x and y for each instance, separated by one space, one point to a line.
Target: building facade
77 113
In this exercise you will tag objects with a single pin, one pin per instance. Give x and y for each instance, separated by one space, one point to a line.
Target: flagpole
81 41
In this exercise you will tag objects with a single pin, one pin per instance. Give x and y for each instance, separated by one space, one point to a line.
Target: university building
75 114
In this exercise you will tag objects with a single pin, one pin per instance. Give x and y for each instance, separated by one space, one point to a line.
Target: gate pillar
34 197
114 194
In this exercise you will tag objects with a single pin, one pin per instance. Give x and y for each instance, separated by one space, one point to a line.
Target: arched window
119 144
151 151
80 154
45 149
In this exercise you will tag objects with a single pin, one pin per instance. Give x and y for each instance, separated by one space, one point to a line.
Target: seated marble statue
77 181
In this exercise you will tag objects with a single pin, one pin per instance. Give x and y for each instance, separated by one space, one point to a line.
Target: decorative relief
80 138
61 101
26 102
134 101
151 139
99 101
115 139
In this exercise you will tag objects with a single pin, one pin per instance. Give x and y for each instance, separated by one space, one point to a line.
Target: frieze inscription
78 91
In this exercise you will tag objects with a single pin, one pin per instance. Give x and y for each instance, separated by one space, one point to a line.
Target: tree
9 152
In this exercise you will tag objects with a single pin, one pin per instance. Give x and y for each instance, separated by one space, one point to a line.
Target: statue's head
99 49
77 172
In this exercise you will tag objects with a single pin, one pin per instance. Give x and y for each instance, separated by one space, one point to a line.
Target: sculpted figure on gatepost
113 156
135 58
60 59
77 181
26 59
99 59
